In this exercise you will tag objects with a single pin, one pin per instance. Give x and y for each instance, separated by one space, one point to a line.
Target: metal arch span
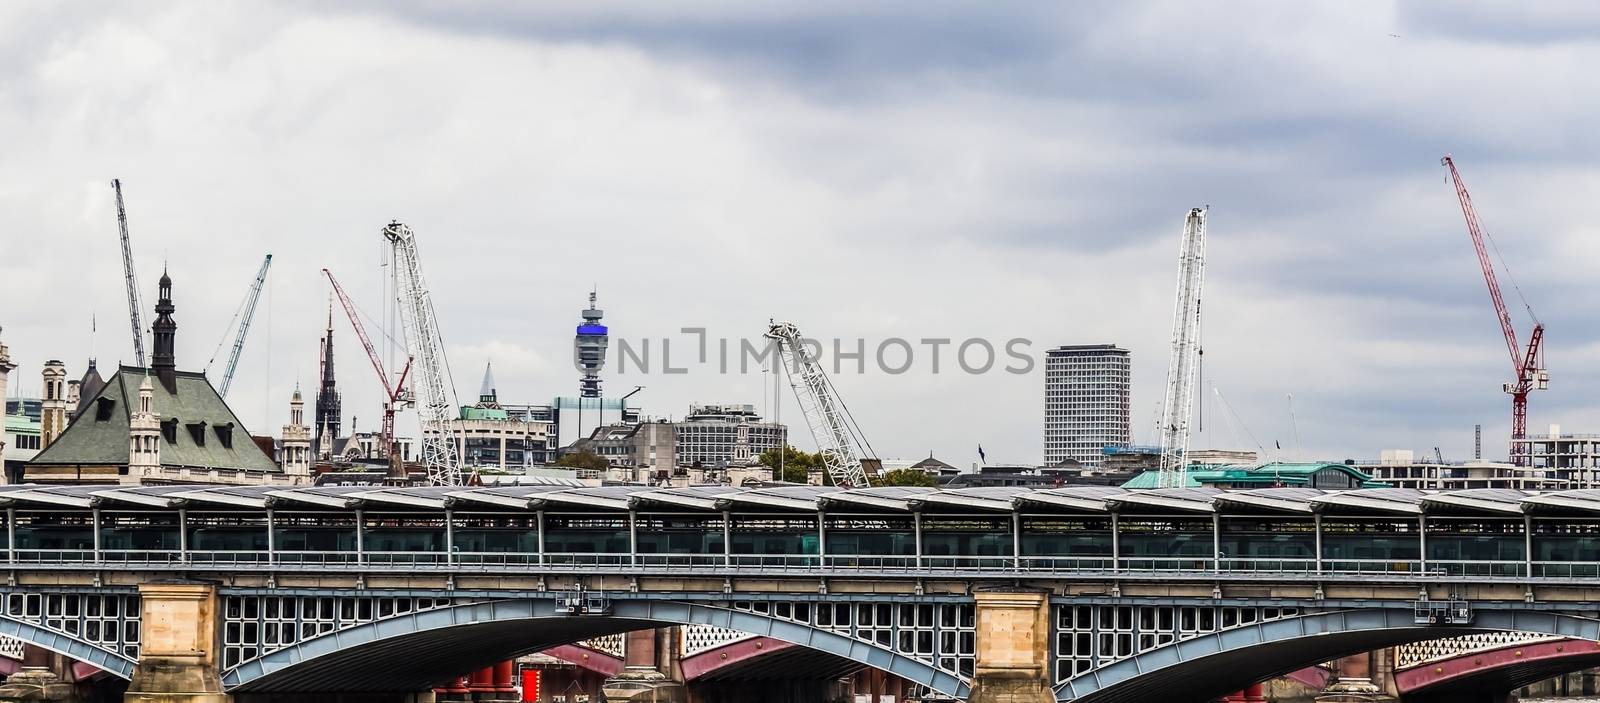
1506 668
1211 665
78 650
459 637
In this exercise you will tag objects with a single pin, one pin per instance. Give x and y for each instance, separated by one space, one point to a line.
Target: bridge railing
812 562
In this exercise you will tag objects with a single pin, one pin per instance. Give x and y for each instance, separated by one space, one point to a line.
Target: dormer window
102 408
197 432
225 434
169 430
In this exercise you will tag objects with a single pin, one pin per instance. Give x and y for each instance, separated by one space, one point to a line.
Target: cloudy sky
913 170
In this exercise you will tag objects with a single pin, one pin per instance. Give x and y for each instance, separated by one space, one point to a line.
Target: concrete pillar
1013 648
178 652
649 664
1354 683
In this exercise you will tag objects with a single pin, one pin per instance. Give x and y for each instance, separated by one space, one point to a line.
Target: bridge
1070 594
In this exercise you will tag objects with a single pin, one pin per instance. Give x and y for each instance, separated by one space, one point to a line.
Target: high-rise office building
1085 402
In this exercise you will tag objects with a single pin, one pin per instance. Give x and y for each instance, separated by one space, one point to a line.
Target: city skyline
993 186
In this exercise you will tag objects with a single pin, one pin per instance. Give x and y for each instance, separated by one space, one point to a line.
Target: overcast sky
866 170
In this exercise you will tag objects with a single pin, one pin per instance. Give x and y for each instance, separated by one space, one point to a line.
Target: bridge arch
418 649
1214 664
113 663
1499 668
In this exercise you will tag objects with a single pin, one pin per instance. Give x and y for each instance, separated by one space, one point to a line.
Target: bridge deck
1184 534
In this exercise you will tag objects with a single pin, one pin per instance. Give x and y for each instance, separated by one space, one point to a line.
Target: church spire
329 405
164 362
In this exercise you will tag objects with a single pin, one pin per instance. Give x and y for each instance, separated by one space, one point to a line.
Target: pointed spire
487 391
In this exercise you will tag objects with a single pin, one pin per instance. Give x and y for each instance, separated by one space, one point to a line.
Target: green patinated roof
90 440
472 413
1263 474
22 424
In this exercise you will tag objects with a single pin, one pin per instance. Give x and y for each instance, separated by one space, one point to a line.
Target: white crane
832 428
1179 400
127 273
435 392
247 312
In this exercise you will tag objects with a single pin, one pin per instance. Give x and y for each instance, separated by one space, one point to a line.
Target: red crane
397 392
1528 367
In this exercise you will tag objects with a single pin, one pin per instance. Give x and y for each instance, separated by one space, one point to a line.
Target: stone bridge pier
178 659
1013 648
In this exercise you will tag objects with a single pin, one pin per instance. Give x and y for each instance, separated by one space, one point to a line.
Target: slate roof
88 387
92 440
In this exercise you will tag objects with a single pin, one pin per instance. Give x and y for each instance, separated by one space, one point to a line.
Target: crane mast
1527 368
127 273
395 393
244 325
1179 399
440 453
825 415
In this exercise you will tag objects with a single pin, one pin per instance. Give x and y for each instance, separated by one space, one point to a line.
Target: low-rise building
489 436
639 453
726 436
21 445
1400 468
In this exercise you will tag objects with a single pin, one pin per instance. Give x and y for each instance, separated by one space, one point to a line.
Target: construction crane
396 393
246 313
440 453
1527 367
1179 400
127 272
839 439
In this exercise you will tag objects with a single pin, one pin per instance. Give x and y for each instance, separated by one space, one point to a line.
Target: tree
584 459
797 465
907 477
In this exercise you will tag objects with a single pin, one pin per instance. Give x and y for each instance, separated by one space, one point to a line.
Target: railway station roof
1091 500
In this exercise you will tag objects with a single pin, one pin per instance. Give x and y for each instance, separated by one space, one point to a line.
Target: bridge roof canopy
1475 501
512 496
602 498
896 499
1269 500
1583 501
985 498
692 497
1075 499
432 497
1165 500
1370 501
797 498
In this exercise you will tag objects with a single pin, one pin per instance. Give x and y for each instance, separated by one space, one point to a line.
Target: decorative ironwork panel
1090 636
614 645
11 647
942 634
700 638
1418 653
